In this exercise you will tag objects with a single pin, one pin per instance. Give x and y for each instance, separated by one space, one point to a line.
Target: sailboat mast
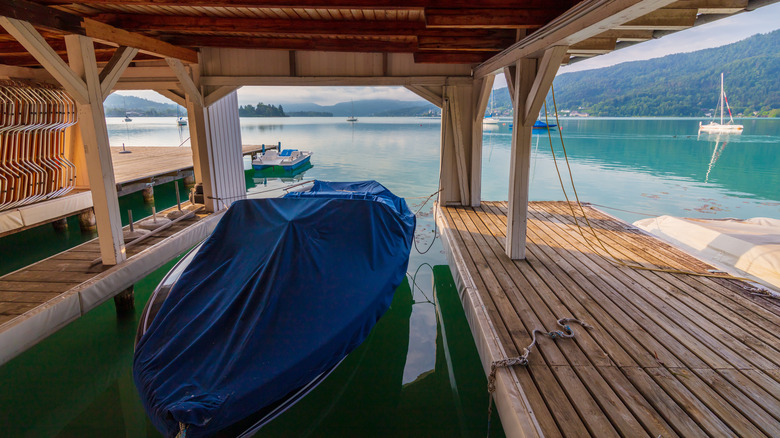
721 98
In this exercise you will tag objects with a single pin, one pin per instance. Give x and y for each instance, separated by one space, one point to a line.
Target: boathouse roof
483 34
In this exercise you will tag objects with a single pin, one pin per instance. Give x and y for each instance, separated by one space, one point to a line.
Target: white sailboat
729 127
490 120
352 118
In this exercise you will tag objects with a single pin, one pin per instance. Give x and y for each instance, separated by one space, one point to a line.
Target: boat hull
294 166
717 127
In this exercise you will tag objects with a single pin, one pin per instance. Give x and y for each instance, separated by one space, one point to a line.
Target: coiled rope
522 360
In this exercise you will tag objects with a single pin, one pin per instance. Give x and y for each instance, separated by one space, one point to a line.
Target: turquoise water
418 374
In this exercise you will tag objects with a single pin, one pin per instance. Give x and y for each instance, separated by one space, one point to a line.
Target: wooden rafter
711 6
181 23
663 19
595 45
115 67
585 20
462 43
451 57
325 44
53 19
627 35
490 18
325 4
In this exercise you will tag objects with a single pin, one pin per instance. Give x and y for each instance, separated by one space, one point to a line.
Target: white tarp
749 247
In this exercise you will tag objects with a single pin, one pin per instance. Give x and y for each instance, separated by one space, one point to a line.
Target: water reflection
721 141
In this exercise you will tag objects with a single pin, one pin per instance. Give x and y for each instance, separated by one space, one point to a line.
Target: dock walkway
668 354
132 172
41 298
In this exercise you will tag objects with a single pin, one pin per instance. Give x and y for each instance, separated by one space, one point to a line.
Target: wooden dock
149 161
668 354
41 298
132 172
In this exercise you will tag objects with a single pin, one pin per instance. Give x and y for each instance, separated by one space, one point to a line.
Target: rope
522 360
182 430
413 278
626 211
613 260
435 225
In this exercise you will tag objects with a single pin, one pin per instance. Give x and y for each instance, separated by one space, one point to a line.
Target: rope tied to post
522 360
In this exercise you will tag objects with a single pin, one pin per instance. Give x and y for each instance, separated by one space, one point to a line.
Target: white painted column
225 152
94 134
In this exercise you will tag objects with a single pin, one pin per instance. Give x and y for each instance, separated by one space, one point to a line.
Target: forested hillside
685 84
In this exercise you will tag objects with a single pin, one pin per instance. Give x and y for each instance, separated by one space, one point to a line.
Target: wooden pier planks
39 299
669 355
148 161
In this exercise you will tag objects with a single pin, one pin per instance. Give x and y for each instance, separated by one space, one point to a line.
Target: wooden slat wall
669 354
225 140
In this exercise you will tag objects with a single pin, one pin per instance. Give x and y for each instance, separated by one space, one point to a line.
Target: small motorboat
265 308
181 121
287 159
543 125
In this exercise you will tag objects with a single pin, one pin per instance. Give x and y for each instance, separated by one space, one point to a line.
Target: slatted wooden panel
226 163
669 354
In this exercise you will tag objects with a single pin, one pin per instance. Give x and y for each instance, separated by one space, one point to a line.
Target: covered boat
269 304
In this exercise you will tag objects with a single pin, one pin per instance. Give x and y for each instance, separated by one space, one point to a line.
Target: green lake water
418 373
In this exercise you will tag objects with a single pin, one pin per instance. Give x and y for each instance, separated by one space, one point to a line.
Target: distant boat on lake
543 125
729 127
352 118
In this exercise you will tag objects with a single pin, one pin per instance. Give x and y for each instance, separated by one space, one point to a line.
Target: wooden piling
125 301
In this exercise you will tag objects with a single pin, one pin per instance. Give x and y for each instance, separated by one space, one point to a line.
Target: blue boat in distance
287 159
267 306
543 125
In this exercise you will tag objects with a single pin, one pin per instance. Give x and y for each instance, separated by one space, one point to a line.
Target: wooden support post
60 224
482 89
531 83
125 301
148 194
92 123
458 167
87 222
201 153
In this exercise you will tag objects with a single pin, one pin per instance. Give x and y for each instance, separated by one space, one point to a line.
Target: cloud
320 95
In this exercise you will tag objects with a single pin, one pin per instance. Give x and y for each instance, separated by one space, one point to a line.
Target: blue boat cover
280 292
287 152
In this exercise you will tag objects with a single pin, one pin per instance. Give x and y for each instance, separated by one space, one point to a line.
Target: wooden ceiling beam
463 43
516 18
451 57
103 55
584 20
179 23
595 45
711 6
627 35
328 4
54 19
325 44
663 19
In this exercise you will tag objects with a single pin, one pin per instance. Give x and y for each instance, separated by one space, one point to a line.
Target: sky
717 33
